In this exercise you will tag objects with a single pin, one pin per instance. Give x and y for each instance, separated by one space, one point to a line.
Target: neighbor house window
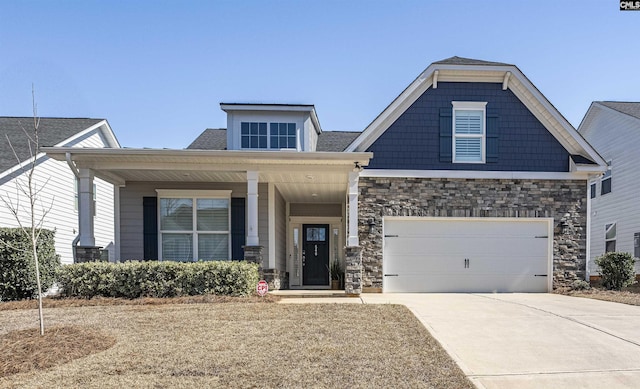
280 135
610 238
593 190
605 182
194 226
469 132
636 245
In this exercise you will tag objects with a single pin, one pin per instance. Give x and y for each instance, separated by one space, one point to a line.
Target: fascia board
562 130
393 111
266 107
59 153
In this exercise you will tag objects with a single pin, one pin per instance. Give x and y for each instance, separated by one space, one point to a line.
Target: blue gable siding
523 143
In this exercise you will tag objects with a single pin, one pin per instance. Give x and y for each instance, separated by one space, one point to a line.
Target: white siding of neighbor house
616 137
280 231
131 220
58 193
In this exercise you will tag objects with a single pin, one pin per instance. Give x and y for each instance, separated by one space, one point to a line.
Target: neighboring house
468 181
57 182
613 128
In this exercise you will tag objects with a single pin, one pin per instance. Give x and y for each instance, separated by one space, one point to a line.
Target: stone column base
253 254
353 270
277 280
88 254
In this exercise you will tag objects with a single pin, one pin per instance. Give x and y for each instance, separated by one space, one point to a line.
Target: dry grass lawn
630 295
236 344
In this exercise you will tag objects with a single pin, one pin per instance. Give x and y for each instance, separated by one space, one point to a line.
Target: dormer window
281 135
254 135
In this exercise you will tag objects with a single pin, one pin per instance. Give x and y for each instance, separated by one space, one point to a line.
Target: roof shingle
469 61
51 131
216 139
629 108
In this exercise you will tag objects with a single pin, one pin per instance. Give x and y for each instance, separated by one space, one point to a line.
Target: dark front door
315 254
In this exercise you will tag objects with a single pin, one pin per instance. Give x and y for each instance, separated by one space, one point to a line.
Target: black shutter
446 130
150 227
238 228
493 129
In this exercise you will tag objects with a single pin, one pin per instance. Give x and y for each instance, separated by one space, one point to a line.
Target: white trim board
505 175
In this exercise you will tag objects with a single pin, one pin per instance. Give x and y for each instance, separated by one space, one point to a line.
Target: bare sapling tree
27 207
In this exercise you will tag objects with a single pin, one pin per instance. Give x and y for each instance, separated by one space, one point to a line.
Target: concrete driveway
532 340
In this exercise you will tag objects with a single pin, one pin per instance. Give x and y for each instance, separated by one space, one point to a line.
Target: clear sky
157 70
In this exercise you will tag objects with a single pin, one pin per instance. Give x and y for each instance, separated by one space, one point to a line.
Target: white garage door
467 255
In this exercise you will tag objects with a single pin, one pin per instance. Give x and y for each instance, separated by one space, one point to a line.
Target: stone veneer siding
562 200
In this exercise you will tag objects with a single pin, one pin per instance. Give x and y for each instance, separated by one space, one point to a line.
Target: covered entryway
423 254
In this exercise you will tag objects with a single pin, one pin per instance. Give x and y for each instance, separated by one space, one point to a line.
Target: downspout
74 169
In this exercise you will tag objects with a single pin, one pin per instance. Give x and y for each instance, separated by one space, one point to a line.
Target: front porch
292 212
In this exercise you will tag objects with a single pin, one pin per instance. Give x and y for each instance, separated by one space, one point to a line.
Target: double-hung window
254 135
469 131
194 225
610 236
605 182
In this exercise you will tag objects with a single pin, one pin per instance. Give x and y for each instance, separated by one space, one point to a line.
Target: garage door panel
467 284
442 255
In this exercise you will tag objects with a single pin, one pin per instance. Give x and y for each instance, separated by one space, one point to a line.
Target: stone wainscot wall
562 200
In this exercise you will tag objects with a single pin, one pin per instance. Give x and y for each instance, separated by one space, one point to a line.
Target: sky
158 70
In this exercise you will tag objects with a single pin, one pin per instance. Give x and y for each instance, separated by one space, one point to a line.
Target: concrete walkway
529 340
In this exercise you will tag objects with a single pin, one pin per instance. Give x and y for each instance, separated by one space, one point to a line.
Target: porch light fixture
372 225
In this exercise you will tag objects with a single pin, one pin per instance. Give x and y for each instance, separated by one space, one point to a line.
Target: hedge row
135 279
17 268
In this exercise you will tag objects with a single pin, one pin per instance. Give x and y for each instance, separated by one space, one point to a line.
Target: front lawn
236 345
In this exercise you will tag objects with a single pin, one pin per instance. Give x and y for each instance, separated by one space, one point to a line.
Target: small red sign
262 288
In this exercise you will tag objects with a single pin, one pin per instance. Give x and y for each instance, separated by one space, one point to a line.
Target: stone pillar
353 270
88 254
86 208
253 254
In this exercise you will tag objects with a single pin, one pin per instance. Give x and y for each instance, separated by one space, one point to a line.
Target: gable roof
216 139
628 108
336 140
468 61
52 131
210 139
458 69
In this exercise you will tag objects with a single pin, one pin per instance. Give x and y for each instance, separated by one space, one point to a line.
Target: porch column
252 208
86 208
353 240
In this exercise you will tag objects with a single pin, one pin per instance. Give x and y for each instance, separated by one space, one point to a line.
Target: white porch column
86 208
252 208
353 240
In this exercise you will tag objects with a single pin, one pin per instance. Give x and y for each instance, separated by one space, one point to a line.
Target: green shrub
17 268
616 269
135 279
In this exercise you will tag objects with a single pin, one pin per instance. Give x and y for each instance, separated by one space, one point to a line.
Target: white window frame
607 228
607 176
194 195
469 106
269 123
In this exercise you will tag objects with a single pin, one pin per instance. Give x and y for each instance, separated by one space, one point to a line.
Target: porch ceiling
299 176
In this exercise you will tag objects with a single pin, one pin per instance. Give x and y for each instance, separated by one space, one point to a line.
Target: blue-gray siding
523 143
